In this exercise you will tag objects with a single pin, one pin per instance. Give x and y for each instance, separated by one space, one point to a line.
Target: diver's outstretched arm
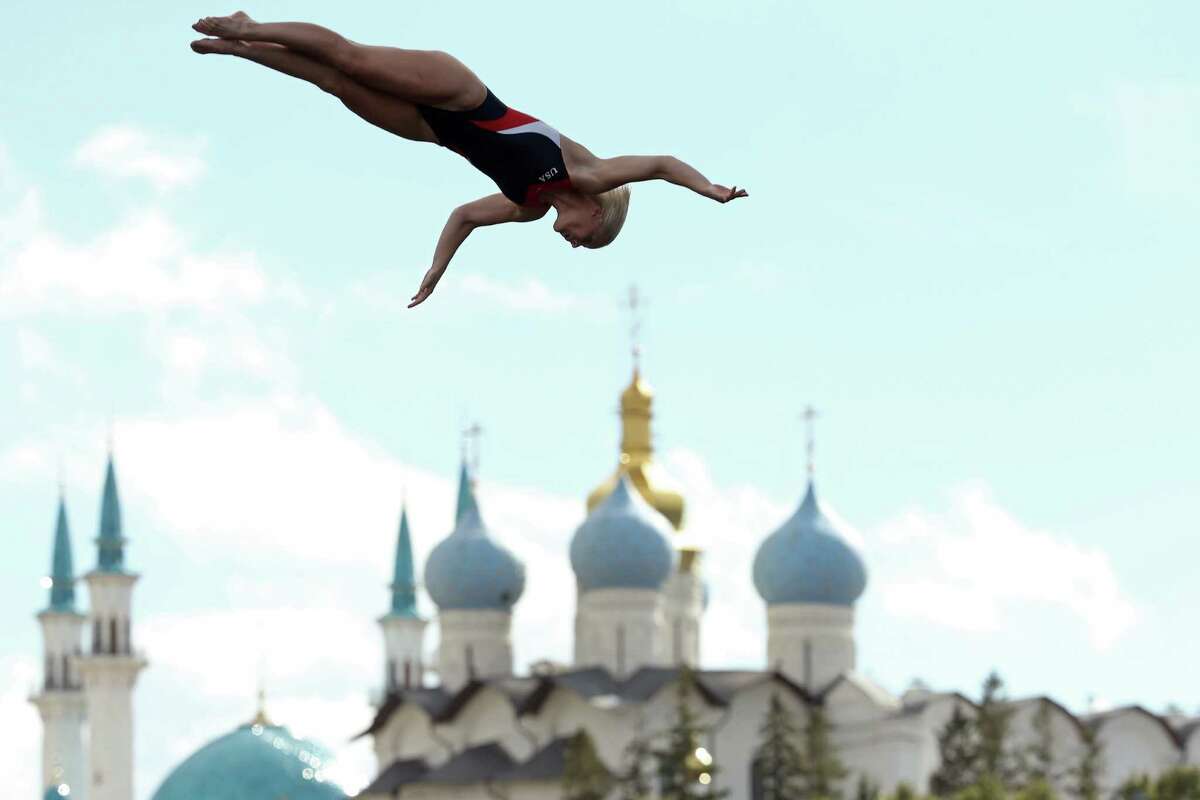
491 210
609 173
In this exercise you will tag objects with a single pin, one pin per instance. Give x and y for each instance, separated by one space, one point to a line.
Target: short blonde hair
614 205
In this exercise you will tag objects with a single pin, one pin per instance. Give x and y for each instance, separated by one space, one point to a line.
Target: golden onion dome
636 459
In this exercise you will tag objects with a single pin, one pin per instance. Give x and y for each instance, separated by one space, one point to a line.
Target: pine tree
1037 789
584 775
1041 752
823 770
685 769
1178 783
1085 776
993 720
958 744
904 792
632 783
1138 787
866 789
779 765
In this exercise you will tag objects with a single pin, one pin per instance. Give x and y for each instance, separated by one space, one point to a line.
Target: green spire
111 542
404 585
466 493
62 570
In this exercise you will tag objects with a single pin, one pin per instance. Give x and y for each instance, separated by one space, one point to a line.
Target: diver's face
577 225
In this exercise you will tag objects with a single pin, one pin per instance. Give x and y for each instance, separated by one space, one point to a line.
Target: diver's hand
723 194
427 285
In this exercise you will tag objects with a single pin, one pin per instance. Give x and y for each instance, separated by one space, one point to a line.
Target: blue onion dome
254 762
809 560
623 544
469 570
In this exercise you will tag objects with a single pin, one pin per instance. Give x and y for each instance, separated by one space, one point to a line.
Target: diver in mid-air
430 96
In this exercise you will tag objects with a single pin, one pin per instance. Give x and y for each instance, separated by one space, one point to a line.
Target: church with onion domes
462 721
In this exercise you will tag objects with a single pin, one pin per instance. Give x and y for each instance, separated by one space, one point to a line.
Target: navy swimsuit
522 154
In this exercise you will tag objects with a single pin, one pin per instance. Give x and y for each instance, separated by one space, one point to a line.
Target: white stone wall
479 638
111 596
63 758
409 733
811 644
404 652
489 716
621 630
108 684
1134 742
684 594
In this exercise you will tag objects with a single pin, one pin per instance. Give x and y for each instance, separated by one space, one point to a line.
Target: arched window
112 642
97 643
621 650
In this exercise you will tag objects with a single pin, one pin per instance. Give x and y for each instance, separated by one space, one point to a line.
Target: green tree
1085 775
1178 783
958 746
584 775
993 721
1041 751
988 787
1037 789
904 792
632 782
685 769
866 789
779 765
1137 787
823 770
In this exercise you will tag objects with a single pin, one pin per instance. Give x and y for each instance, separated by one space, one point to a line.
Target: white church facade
463 722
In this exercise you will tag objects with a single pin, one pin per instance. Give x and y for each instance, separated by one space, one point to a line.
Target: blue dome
56 792
471 570
808 560
623 544
252 763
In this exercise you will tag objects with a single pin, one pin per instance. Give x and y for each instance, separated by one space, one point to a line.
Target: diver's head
592 220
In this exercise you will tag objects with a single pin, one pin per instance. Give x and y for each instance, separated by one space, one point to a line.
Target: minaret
683 592
810 577
111 667
61 700
403 627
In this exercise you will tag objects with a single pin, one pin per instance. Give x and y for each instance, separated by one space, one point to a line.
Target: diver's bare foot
235 26
223 46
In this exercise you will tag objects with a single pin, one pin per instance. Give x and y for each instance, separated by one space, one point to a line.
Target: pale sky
970 242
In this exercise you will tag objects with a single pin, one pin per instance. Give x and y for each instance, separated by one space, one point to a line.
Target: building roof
547 764
473 765
399 773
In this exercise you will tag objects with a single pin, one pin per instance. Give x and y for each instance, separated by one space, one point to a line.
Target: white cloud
20 747
142 264
974 567
126 151
1160 131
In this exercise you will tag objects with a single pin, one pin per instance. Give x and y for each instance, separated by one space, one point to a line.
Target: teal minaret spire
62 570
404 584
403 628
466 497
111 542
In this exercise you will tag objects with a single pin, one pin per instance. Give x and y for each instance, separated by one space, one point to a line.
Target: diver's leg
430 77
378 108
